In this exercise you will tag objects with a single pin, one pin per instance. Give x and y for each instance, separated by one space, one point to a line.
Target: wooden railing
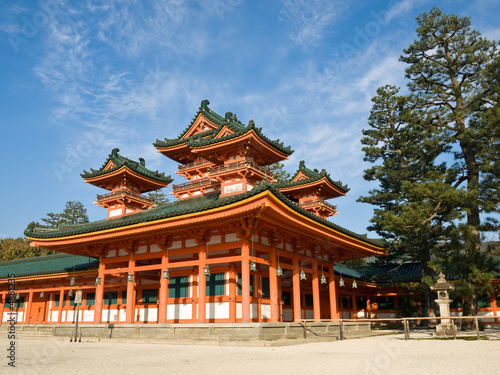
193 184
193 165
404 321
247 163
124 193
317 202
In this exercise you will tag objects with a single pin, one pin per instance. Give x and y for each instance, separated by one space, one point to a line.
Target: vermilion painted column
315 290
2 305
296 289
130 311
245 282
202 285
27 318
99 294
273 287
162 308
232 293
333 294
61 305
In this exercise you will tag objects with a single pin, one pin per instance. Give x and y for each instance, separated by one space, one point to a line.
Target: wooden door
38 311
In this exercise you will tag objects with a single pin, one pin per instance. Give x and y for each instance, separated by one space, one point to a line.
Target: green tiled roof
313 175
48 264
206 138
187 206
119 161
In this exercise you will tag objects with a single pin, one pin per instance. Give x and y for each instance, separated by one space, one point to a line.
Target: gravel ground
372 355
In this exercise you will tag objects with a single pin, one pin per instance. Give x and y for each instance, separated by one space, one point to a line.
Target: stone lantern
446 327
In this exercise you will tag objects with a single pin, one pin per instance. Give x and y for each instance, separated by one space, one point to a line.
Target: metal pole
76 327
341 329
477 328
305 330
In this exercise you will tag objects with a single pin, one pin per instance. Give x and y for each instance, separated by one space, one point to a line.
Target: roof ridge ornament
204 104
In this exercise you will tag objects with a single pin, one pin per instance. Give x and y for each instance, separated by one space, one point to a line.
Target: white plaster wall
238 310
148 314
214 240
54 315
179 311
217 310
87 316
122 315
231 237
265 311
109 315
175 245
387 315
253 311
154 248
142 250
6 316
191 243
487 313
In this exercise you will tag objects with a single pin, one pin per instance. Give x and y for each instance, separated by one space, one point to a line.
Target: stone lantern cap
441 284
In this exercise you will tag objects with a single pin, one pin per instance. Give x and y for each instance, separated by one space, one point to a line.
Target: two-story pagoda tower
221 155
126 180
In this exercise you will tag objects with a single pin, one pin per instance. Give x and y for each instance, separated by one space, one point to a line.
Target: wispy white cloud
309 21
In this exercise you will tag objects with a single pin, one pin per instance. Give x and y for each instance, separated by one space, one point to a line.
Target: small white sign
78 297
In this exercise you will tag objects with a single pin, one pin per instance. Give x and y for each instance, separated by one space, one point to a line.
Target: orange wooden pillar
163 295
130 311
296 289
232 293
61 305
99 294
245 282
334 314
315 290
2 306
202 285
273 287
27 317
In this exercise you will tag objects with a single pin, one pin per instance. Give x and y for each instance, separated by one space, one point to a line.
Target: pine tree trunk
472 239
470 309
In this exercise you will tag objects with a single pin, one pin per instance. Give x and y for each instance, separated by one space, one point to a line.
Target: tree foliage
435 153
19 248
158 196
279 172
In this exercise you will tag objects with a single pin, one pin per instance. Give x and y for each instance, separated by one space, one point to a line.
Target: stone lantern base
445 330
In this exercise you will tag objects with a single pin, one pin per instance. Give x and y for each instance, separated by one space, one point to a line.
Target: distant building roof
48 264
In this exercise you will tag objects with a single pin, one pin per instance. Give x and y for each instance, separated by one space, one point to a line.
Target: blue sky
80 78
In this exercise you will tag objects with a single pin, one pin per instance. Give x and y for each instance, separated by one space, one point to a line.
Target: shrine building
234 246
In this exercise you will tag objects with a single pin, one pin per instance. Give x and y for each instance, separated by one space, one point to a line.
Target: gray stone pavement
386 354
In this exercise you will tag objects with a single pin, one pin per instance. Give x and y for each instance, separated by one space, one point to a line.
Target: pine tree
279 172
427 197
74 213
158 196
